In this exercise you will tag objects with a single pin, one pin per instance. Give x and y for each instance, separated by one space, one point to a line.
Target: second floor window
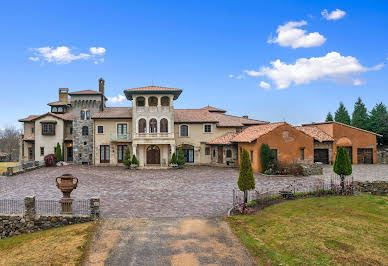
48 129
207 128
153 125
164 125
122 129
184 132
100 129
87 115
142 125
32 130
85 131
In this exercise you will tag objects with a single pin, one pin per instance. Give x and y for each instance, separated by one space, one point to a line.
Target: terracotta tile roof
29 118
224 139
225 120
193 116
254 132
29 138
68 138
58 103
154 88
84 92
213 109
334 122
316 133
67 116
114 112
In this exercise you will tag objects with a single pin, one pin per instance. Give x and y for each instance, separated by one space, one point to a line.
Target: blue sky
218 52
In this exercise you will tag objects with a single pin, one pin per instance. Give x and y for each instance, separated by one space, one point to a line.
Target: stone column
95 208
29 206
173 149
134 147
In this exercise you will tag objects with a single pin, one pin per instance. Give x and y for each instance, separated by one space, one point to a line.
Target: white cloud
231 76
236 77
265 85
332 66
358 82
289 35
117 99
333 15
64 55
97 50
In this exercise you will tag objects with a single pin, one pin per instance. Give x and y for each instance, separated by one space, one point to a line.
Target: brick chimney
101 86
63 95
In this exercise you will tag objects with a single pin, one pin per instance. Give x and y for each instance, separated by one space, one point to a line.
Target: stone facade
382 156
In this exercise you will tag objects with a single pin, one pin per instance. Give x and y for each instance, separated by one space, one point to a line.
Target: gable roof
213 109
225 120
152 89
225 139
316 133
57 103
193 116
338 123
254 132
67 117
114 112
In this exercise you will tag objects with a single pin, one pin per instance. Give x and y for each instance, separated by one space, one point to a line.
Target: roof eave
129 93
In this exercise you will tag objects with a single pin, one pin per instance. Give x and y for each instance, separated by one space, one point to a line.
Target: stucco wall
287 140
48 142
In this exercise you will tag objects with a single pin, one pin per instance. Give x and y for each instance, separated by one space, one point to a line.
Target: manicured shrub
246 181
50 160
173 159
58 153
295 169
181 157
267 157
342 165
134 160
127 157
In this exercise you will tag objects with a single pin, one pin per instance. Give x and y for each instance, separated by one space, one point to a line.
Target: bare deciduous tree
9 141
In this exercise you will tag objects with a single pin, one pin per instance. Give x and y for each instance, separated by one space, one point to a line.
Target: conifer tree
181 157
329 117
342 165
127 157
342 115
246 181
58 153
360 116
378 122
266 157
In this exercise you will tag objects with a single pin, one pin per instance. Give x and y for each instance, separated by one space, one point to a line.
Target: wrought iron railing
11 206
53 207
121 137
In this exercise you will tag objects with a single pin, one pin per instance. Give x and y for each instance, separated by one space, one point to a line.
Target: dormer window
58 109
54 109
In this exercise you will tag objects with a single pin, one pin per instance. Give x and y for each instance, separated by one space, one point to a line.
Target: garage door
321 155
365 156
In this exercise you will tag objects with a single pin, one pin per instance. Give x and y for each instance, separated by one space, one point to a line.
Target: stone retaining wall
312 169
382 156
375 187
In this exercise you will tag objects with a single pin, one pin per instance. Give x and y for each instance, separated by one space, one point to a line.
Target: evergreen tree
127 157
134 160
246 180
342 115
181 157
173 159
342 165
58 153
266 157
360 116
329 117
378 122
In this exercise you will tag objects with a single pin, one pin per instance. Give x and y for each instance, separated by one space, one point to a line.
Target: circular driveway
193 191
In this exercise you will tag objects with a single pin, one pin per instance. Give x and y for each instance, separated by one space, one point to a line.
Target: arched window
142 125
184 132
229 153
153 126
88 115
82 115
140 101
60 109
165 101
85 131
152 101
164 125
54 109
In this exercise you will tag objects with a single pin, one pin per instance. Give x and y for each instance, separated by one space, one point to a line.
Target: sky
276 61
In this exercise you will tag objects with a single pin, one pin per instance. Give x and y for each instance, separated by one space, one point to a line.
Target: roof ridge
331 122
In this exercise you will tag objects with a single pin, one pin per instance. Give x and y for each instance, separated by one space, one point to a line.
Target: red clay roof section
153 88
58 103
213 109
29 118
254 132
335 122
85 92
193 116
114 112
67 117
316 133
225 120
224 139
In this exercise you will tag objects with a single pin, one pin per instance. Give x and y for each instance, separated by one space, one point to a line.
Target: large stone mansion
89 132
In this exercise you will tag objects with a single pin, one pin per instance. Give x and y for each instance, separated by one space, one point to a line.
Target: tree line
9 141
376 120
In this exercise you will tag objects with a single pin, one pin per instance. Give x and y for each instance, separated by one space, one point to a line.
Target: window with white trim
207 128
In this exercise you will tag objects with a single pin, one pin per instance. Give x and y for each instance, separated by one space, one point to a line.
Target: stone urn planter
66 185
134 166
174 165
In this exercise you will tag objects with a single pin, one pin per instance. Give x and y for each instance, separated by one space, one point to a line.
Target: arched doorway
153 154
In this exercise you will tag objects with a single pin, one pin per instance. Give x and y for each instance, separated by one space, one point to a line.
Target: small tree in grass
134 160
342 165
127 158
181 157
58 153
266 157
245 178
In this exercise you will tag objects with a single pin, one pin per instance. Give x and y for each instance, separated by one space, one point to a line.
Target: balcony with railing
158 135
121 137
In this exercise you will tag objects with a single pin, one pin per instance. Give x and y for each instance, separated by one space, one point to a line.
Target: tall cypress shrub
342 165
266 157
58 153
246 181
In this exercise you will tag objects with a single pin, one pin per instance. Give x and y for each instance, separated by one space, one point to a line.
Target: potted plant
173 161
127 158
134 162
181 158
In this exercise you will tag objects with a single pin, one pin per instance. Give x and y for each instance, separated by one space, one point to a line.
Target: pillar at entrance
134 147
173 149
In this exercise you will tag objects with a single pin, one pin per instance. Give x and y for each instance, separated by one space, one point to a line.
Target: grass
59 246
4 165
318 231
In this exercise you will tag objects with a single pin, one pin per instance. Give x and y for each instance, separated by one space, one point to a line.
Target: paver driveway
193 191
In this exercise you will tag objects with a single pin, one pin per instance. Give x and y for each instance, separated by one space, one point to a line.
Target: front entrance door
220 154
69 154
321 155
365 155
120 152
30 154
153 154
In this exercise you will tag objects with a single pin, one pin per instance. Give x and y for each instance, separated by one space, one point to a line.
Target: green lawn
318 231
59 246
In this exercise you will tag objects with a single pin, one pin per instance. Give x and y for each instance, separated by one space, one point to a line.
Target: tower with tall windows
153 123
84 104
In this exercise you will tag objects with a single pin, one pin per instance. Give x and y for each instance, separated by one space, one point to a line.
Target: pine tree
173 159
134 160
266 157
342 165
127 157
329 117
246 180
378 122
58 153
181 157
342 115
360 116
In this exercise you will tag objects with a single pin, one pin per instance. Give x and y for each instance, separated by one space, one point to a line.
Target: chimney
245 116
63 95
101 86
